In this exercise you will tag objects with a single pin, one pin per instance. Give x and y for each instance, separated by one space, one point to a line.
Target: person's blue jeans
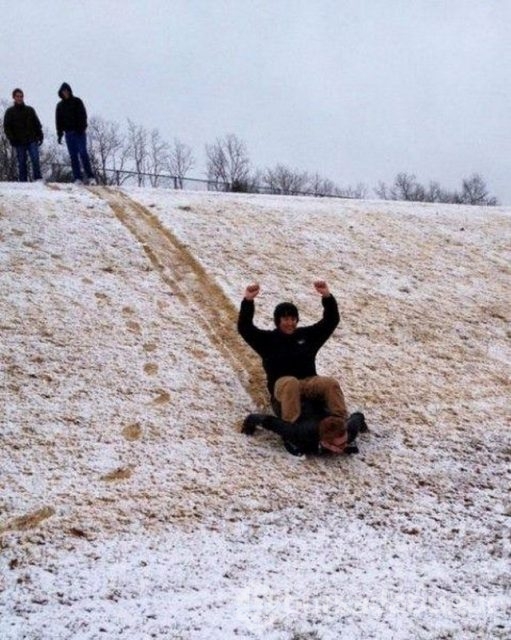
77 147
31 149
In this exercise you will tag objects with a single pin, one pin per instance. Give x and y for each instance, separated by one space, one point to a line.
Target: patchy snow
130 505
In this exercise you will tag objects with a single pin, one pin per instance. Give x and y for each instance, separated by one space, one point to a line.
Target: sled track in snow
188 280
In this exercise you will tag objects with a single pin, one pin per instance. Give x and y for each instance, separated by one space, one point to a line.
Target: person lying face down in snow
315 431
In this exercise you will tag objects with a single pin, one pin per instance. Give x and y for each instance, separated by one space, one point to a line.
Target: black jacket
21 125
302 436
70 114
283 354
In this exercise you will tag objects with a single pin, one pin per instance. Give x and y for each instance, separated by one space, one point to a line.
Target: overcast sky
357 90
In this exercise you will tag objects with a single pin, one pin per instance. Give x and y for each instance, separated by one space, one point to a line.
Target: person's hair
283 310
15 91
331 428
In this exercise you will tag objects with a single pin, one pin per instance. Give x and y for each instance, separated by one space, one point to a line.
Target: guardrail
119 177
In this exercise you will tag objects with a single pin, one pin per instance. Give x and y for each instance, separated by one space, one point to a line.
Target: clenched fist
252 291
322 288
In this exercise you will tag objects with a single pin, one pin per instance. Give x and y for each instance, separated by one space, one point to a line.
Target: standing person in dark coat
288 353
71 121
23 130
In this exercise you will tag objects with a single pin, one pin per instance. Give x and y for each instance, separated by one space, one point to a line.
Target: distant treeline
141 155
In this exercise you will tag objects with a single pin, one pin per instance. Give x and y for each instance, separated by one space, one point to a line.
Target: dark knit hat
283 310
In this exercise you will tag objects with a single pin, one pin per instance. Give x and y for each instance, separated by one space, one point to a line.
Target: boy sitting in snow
288 353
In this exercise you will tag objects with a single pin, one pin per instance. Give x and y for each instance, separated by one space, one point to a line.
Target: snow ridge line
188 279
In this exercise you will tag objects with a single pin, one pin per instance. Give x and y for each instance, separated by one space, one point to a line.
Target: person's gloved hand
293 449
351 448
59 139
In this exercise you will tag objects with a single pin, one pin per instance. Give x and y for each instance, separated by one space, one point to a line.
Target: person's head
65 91
333 434
17 94
286 317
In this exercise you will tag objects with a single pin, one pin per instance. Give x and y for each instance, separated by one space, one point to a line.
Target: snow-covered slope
130 505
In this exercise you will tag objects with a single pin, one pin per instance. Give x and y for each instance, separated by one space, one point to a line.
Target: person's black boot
363 428
251 422
356 424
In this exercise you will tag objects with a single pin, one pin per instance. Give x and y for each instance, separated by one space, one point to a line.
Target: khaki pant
289 391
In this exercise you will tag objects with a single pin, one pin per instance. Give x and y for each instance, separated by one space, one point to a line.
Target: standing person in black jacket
23 130
71 121
288 353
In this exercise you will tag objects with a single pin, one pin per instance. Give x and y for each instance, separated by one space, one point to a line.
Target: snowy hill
130 504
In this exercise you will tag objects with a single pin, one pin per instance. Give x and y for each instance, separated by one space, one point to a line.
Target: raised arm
252 335
325 327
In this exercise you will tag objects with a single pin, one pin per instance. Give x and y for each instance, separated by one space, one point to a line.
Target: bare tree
434 192
228 164
7 154
382 191
158 152
475 191
54 159
405 187
137 150
179 161
319 186
106 149
284 180
358 192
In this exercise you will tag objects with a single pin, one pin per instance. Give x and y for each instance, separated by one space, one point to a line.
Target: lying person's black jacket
302 437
